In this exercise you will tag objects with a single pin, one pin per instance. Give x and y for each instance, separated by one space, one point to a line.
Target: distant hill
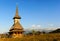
55 31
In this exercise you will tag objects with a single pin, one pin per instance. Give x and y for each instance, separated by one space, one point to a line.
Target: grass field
41 37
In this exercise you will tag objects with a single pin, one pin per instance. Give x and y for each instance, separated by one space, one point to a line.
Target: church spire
16 15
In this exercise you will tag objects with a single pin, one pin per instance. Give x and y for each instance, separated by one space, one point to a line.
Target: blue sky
42 13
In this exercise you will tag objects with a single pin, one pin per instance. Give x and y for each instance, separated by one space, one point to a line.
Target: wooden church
16 31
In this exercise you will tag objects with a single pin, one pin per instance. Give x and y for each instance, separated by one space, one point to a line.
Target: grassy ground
41 37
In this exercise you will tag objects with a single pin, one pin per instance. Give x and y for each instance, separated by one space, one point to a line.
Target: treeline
31 33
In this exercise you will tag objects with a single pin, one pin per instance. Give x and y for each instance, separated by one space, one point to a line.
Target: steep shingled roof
16 26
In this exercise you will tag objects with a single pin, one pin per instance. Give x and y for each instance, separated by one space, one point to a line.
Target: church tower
16 31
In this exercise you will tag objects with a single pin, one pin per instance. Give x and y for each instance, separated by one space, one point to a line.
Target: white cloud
33 25
49 27
38 25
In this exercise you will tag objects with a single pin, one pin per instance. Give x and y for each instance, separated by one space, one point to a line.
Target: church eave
17 18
